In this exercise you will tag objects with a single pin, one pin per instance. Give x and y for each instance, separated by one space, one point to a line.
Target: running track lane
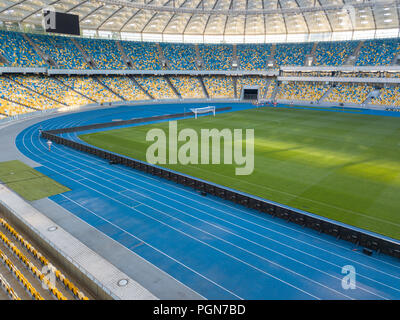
219 249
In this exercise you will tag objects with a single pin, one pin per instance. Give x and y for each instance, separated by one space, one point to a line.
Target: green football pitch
338 165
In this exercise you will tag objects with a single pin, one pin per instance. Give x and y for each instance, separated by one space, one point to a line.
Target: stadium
199 150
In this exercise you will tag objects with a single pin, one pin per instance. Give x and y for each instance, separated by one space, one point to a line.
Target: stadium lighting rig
170 7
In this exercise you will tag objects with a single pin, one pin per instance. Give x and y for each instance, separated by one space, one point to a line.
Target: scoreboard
63 23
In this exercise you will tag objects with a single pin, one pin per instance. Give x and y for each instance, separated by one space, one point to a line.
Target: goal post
209 109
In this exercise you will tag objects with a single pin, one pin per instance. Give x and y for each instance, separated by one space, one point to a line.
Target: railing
8 289
340 79
62 253
67 283
267 72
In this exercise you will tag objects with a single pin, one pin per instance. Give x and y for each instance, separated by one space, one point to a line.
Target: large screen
58 22
250 94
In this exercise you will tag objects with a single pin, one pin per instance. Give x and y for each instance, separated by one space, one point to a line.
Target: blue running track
219 249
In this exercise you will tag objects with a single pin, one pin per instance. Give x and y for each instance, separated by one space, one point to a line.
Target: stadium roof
220 20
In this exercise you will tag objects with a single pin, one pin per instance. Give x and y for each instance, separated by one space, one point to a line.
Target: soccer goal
208 109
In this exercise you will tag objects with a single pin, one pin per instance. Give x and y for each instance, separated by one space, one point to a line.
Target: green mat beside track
27 182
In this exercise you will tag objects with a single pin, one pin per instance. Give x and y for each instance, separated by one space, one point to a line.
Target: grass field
27 182
342 166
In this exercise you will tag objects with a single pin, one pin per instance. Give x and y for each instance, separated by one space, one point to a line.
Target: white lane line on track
131 235
300 262
298 231
316 247
223 252
256 233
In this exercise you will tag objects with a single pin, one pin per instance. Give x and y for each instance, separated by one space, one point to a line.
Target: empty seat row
59 275
17 51
20 277
32 268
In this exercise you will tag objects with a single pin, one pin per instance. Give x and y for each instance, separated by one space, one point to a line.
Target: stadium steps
269 81
325 94
46 58
173 87
273 49
89 60
311 56
140 87
21 104
314 48
164 62
375 93
4 60
108 88
234 57
396 60
203 86
271 56
198 57
128 61
234 80
33 90
72 89
351 60
276 90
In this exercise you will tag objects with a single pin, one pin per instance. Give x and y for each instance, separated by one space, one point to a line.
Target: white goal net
209 109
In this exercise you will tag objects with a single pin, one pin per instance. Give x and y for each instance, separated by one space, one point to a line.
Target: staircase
126 59
264 97
173 87
373 94
21 104
235 60
72 89
325 94
351 60
396 60
199 59
271 59
164 62
4 60
314 48
46 58
203 87
89 60
234 79
108 88
33 90
276 90
309 60
141 88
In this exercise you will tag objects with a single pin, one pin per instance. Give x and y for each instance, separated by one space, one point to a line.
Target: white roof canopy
238 20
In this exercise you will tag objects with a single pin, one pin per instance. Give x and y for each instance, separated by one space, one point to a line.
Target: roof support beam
235 12
109 17
36 11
